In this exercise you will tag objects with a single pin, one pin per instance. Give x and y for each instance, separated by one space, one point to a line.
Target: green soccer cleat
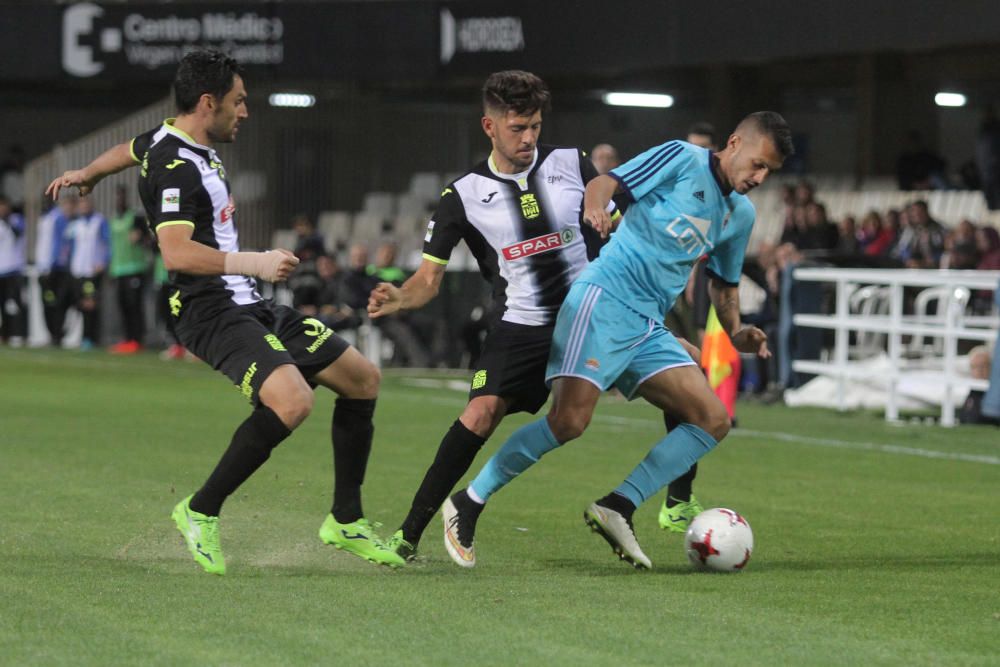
676 519
359 538
201 533
401 547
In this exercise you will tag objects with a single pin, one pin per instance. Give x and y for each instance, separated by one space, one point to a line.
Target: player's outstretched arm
595 203
109 162
726 299
418 289
180 253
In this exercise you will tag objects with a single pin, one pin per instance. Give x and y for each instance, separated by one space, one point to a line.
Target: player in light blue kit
688 203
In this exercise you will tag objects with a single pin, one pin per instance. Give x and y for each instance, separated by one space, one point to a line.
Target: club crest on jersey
529 206
171 201
539 244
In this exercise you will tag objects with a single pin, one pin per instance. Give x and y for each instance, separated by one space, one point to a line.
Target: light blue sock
667 460
522 449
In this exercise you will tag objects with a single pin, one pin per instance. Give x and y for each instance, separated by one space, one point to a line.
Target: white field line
744 432
822 442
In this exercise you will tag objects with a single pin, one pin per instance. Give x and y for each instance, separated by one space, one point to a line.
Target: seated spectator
308 242
847 237
988 246
604 157
922 241
401 328
821 234
875 239
960 250
328 306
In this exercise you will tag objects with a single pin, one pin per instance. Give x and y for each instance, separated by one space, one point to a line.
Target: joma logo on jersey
538 244
529 206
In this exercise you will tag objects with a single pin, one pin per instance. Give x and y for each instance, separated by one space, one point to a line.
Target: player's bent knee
568 425
482 416
293 408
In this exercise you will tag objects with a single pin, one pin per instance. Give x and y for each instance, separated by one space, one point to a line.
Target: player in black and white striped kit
520 213
273 354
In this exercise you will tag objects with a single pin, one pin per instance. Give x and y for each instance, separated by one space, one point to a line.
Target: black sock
467 507
352 443
679 490
618 503
252 443
454 457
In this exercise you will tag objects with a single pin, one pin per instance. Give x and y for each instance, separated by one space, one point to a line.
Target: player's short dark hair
522 92
206 71
772 125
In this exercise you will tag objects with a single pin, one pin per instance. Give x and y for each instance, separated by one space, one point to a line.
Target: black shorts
246 343
512 366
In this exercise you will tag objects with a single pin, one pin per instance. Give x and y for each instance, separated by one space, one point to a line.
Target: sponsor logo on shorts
479 380
539 244
430 232
275 343
316 328
592 364
245 387
175 303
171 201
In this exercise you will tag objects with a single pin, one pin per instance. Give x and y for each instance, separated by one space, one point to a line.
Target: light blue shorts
602 340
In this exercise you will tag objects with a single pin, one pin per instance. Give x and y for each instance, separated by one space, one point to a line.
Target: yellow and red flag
721 362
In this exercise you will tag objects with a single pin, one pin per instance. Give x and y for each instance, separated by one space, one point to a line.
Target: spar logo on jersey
539 244
227 213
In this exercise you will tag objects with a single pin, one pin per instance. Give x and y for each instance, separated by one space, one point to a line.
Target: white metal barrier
953 326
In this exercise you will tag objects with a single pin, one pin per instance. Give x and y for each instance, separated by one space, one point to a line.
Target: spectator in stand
702 134
988 245
922 241
129 266
12 177
309 243
960 251
400 327
329 307
875 238
13 319
52 261
988 158
918 168
847 237
794 297
796 231
89 240
357 283
822 233
605 158
805 193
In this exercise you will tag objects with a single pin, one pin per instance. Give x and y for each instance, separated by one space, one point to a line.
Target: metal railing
952 326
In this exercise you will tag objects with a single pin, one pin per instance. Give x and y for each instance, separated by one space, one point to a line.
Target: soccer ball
719 540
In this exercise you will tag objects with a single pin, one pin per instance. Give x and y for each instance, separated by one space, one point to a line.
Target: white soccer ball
719 540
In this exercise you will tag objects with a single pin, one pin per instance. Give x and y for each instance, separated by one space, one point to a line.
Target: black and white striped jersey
525 230
182 182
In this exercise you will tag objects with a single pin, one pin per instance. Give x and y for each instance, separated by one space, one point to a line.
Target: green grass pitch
875 544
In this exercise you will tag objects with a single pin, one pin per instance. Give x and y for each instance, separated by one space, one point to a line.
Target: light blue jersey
679 214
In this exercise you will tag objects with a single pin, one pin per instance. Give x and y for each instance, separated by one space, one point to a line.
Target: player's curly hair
199 72
516 90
